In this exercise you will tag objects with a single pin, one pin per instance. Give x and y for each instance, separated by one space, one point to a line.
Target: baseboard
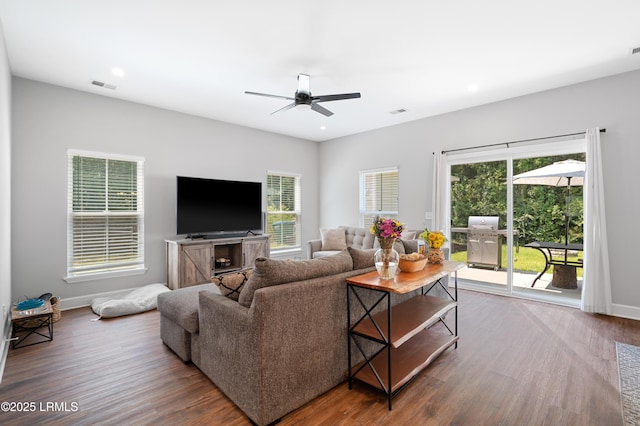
625 311
83 301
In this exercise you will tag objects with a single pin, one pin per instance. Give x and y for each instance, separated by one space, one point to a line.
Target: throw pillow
362 258
231 285
410 246
408 235
270 272
334 239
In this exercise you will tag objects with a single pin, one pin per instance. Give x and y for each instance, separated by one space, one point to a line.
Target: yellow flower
434 239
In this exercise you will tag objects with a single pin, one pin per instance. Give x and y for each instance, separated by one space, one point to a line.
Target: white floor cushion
139 300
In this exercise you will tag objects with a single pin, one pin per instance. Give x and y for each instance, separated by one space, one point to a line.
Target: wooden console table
408 345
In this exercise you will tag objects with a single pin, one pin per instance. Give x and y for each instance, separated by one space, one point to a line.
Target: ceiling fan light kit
304 101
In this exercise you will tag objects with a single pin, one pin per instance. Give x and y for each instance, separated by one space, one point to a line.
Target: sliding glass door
517 223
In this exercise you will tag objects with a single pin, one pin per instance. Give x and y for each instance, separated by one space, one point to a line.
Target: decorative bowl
412 265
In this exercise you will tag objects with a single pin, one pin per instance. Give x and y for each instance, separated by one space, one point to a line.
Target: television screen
216 206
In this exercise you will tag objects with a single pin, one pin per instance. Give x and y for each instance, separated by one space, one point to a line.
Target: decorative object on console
412 262
386 258
435 240
435 256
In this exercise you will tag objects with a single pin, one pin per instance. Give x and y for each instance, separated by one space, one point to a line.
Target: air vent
635 50
102 84
398 111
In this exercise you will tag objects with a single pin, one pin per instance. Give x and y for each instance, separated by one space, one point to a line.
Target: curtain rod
513 142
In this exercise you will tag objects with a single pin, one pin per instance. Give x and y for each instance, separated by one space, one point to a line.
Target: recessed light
472 88
118 72
323 127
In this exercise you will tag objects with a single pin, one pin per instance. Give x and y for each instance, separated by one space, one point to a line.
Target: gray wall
47 120
612 103
5 192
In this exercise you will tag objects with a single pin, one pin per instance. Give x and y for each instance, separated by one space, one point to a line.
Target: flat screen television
214 207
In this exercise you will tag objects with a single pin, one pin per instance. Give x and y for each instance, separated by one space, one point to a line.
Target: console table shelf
407 360
407 319
408 341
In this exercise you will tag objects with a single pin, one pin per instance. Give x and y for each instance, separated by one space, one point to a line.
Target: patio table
566 267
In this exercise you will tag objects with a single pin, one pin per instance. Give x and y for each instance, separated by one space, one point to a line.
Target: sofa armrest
313 246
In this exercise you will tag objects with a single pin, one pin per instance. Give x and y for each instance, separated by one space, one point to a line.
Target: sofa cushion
325 253
360 238
270 272
333 239
231 285
362 258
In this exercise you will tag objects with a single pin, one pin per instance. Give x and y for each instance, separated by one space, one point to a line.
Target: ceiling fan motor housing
303 98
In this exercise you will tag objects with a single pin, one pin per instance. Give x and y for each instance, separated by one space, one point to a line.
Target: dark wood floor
518 363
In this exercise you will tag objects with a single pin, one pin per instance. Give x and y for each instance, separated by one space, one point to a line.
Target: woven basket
55 307
55 310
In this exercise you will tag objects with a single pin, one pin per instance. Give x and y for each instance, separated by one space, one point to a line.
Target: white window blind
378 194
283 210
105 214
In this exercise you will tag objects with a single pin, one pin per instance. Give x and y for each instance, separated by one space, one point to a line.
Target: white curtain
596 291
440 200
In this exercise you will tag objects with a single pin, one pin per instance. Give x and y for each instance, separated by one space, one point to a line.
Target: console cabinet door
253 249
196 264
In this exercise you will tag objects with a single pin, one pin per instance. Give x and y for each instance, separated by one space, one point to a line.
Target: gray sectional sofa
282 343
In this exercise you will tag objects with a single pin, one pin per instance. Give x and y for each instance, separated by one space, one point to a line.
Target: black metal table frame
42 320
545 248
386 341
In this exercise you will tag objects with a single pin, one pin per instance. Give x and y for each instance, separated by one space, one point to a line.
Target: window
283 210
378 194
105 215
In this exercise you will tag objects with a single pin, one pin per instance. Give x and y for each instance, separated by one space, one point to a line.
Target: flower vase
435 255
386 259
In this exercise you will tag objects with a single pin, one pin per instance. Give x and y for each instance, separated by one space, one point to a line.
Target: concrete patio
496 282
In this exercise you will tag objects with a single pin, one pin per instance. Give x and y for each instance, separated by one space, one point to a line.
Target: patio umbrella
562 173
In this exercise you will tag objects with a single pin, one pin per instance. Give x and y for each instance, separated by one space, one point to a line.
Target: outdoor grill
484 242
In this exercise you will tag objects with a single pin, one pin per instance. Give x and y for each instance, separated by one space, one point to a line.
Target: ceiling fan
303 99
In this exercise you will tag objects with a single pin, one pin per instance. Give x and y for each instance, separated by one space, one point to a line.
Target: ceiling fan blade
322 110
327 98
269 96
303 84
284 108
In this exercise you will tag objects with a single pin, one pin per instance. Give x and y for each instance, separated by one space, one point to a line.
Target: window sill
104 275
292 250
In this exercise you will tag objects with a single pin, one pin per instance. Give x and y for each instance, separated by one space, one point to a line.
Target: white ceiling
199 56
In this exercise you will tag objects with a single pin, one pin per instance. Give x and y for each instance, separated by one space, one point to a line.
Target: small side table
29 322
